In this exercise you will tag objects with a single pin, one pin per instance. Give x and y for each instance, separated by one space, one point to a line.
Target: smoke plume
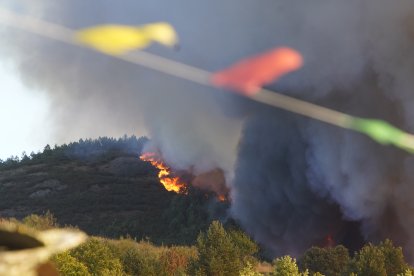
292 181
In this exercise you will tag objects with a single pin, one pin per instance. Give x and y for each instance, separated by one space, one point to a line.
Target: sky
23 116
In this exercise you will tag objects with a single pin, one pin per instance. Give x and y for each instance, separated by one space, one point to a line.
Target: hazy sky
358 59
23 116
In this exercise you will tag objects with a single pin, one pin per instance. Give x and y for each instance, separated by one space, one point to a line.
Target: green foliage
176 260
139 262
68 265
408 272
186 217
328 261
393 258
381 260
98 258
246 247
286 266
369 261
41 222
140 259
218 252
221 253
143 258
249 270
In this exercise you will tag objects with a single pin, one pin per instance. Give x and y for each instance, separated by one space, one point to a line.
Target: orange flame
169 182
249 75
221 198
329 241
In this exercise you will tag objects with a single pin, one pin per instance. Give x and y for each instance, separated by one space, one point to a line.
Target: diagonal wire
376 129
173 68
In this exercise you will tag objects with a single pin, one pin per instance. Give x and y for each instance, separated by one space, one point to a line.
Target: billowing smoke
358 60
295 181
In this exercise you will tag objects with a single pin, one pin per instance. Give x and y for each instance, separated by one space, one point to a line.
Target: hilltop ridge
102 187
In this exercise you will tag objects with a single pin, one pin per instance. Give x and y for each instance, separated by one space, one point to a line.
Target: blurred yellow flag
119 39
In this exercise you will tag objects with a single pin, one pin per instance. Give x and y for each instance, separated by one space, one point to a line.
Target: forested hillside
102 187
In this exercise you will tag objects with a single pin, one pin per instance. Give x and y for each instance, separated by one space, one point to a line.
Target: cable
380 131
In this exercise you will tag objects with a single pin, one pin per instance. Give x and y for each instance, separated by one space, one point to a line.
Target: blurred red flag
250 74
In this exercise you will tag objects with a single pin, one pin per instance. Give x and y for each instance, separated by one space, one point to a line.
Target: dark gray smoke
359 59
296 181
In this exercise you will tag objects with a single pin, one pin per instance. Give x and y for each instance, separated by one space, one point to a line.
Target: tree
246 247
98 258
249 270
369 261
141 258
140 262
408 272
382 260
175 260
218 253
286 266
24 157
47 149
328 261
69 266
393 258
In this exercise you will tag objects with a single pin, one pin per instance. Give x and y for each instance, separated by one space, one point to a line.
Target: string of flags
246 77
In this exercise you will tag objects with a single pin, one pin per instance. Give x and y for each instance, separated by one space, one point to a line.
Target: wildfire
328 241
221 198
170 183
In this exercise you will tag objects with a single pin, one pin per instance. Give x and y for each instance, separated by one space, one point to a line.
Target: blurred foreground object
249 75
384 133
119 39
24 251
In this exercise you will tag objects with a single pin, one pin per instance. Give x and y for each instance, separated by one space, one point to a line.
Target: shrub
98 258
41 222
69 266
139 262
245 246
286 266
175 260
222 253
384 259
328 261
249 270
137 258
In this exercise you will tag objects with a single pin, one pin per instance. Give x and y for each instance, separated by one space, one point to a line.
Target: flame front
221 198
169 182
328 241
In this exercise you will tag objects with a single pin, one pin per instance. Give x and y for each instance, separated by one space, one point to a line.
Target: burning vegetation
167 178
212 181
